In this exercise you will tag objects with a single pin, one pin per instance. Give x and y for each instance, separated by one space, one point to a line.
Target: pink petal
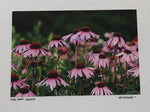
87 36
93 91
63 82
58 82
67 36
123 42
43 52
80 73
105 91
96 63
91 68
94 35
38 84
45 82
101 91
31 94
18 95
96 91
100 62
56 44
83 36
90 72
51 44
86 73
115 40
75 36
14 85
73 72
52 84
109 41
119 54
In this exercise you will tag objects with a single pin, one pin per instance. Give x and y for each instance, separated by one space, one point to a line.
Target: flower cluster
75 64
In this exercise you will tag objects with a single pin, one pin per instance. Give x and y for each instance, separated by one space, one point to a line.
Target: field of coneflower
80 62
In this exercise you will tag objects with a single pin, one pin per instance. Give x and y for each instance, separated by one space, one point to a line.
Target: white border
75 103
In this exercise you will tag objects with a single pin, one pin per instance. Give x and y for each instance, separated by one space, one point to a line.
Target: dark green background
62 22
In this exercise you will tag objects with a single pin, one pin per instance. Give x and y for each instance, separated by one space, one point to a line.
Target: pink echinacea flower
16 82
101 89
81 70
52 80
25 92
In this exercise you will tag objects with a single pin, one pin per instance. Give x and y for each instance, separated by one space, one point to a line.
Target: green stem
115 64
40 75
80 86
13 92
37 79
134 81
86 51
32 79
52 93
125 82
56 66
63 65
83 86
76 52
20 60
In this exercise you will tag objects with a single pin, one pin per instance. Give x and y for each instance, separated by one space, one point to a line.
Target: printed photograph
74 53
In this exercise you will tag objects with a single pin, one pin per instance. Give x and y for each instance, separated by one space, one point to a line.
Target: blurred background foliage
42 25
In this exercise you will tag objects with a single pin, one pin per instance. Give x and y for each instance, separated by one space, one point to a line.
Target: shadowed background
41 25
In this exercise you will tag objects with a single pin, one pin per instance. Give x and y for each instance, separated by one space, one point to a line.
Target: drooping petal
86 73
115 40
101 91
67 36
80 73
18 95
82 36
40 83
63 82
87 36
